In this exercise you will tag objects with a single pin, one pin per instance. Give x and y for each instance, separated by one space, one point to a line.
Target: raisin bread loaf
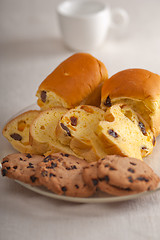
17 131
77 129
42 132
138 88
77 80
125 133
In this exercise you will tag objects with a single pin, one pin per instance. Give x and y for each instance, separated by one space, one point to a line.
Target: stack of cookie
89 116
68 175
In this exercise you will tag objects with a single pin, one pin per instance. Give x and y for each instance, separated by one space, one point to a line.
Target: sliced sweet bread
77 129
125 133
42 132
17 131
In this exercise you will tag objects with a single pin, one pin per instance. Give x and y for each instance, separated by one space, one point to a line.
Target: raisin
131 170
95 182
144 148
15 167
43 96
4 172
33 178
106 165
142 127
8 168
154 140
113 133
64 189
108 103
76 186
28 155
66 129
16 136
73 121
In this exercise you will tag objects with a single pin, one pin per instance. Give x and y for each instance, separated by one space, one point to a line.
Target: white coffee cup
84 24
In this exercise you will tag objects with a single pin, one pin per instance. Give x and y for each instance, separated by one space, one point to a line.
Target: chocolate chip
15 167
106 165
130 179
64 189
53 164
4 161
21 159
131 170
33 178
73 167
76 186
30 165
73 121
95 181
28 155
154 140
16 136
52 175
112 168
46 159
143 179
8 168
4 172
106 178
134 164
66 129
44 173
113 133
43 96
66 155
127 189
108 103
142 127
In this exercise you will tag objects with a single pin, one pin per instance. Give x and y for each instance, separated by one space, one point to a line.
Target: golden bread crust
138 88
75 79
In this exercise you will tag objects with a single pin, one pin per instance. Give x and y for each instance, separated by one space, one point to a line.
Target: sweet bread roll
125 133
138 88
77 128
42 132
77 80
17 131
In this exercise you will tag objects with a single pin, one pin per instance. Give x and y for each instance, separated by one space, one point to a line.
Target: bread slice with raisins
42 132
17 131
125 133
77 130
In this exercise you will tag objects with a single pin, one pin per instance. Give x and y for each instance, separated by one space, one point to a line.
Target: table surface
30 48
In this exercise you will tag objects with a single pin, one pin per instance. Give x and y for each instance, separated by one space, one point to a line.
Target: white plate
153 161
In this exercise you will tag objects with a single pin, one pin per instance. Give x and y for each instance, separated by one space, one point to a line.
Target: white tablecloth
30 48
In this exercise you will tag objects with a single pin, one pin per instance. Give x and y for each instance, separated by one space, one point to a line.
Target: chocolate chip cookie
90 176
62 174
123 176
22 167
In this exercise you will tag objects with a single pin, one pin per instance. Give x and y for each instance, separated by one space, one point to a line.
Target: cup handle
119 19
